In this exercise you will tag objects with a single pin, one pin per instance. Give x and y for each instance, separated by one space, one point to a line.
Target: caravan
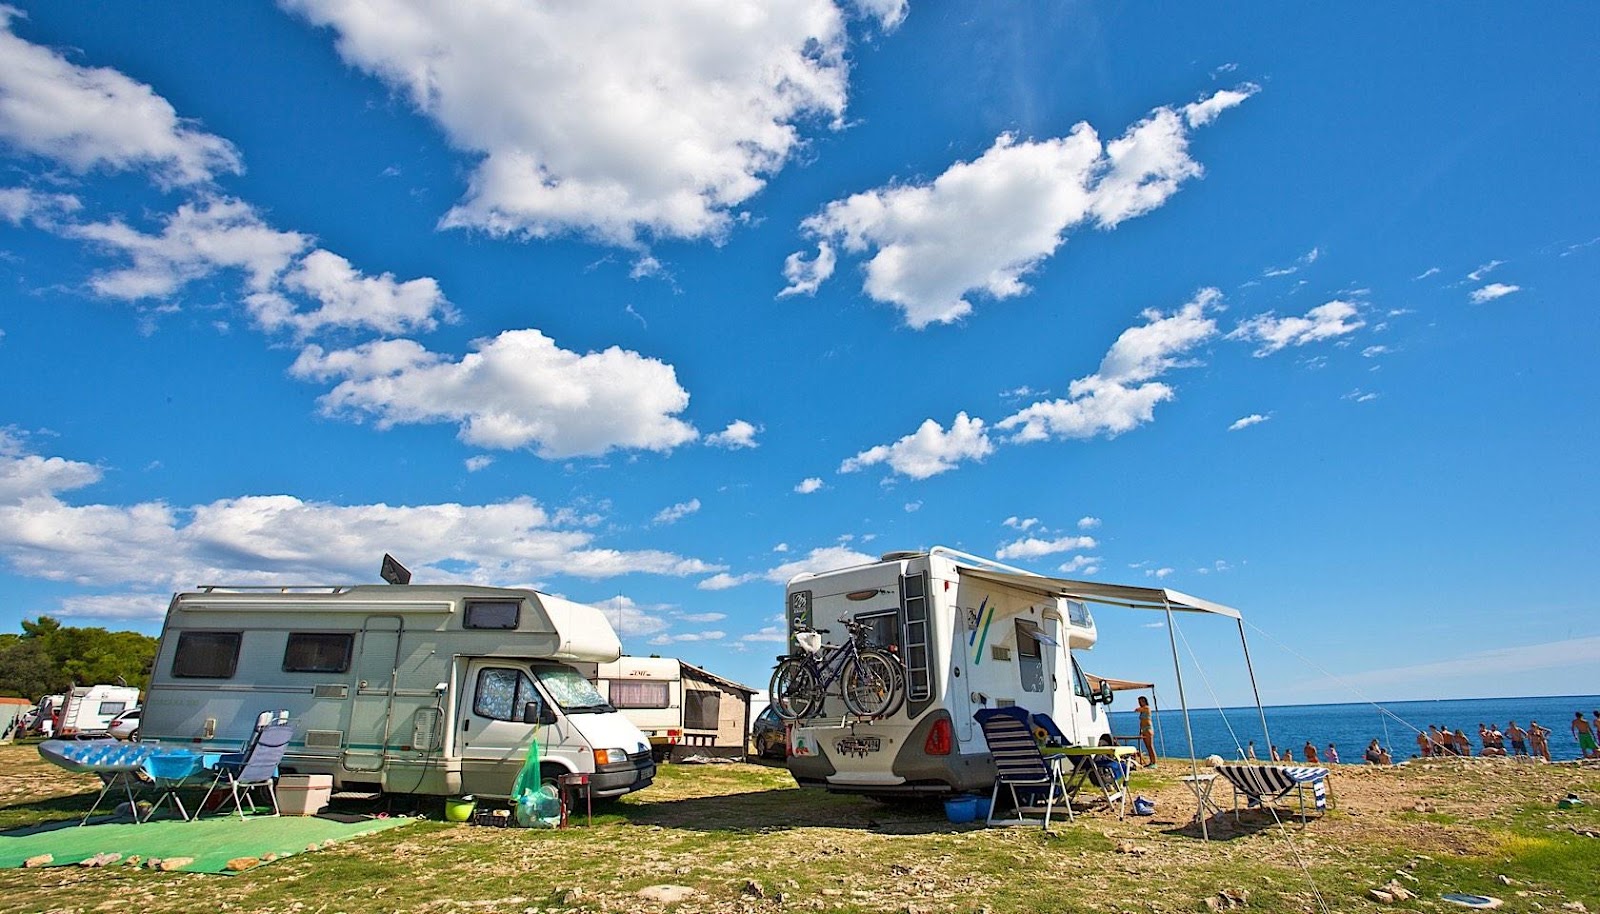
87 711
972 634
422 689
683 709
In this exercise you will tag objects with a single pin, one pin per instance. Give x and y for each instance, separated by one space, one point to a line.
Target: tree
48 656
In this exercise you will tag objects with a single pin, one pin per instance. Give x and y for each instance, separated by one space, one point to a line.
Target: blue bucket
982 812
961 809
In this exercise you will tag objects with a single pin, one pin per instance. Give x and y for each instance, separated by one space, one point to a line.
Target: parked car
126 725
770 735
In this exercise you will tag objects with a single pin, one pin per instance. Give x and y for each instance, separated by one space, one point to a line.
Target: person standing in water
1147 730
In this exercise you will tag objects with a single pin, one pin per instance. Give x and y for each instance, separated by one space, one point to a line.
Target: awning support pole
1256 691
1194 763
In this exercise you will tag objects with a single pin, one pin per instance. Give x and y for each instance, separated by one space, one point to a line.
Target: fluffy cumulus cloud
1032 547
739 434
347 298
825 558
806 275
22 204
1493 291
981 226
1324 322
1122 394
264 539
928 451
674 513
612 119
808 485
517 390
95 118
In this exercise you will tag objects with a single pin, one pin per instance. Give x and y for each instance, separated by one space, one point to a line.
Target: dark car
770 736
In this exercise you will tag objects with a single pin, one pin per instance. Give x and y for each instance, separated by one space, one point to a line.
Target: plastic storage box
304 794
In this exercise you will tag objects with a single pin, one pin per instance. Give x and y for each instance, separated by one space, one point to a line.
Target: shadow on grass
1223 826
781 809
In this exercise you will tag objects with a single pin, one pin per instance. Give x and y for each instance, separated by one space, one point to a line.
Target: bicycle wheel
869 685
794 690
898 694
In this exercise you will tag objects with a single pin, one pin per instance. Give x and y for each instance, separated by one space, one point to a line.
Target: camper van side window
626 694
1030 659
492 613
206 655
318 652
502 693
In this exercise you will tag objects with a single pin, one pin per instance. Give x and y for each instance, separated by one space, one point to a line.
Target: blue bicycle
871 681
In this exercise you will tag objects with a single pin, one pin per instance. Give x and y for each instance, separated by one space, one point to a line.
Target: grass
742 838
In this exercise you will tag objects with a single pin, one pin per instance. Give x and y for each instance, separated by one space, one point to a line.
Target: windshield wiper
601 708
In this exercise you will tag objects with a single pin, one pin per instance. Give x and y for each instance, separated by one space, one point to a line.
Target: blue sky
1292 309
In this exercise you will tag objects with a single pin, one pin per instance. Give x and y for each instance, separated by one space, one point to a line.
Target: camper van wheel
550 776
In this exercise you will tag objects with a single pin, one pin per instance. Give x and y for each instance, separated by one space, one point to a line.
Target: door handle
466 725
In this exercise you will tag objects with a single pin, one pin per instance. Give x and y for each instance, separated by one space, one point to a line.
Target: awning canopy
1117 685
1095 592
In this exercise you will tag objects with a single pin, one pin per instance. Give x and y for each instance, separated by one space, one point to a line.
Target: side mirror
537 712
1105 692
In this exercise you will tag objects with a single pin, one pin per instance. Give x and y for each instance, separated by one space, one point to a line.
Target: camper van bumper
619 778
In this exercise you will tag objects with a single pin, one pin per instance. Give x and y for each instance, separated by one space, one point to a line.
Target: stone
40 860
1502 878
1380 896
569 896
666 894
753 889
174 863
240 864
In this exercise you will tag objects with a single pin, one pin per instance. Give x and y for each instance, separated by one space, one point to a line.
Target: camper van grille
324 739
914 588
334 690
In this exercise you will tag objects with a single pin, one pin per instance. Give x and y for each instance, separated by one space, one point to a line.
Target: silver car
126 725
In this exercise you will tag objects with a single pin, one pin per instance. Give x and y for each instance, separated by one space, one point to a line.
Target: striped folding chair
1265 785
1031 778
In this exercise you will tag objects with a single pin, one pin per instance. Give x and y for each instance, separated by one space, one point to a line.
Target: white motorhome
87 710
683 709
973 634
420 689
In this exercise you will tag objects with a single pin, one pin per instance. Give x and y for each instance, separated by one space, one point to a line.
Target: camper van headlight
610 756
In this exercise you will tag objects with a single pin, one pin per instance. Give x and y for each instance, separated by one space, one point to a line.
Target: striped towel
1271 782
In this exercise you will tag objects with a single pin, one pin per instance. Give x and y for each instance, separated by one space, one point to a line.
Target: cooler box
304 794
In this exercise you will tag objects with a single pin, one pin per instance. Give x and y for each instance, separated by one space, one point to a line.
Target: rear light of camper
938 741
674 735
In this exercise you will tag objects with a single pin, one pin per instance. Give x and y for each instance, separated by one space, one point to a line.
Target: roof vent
899 556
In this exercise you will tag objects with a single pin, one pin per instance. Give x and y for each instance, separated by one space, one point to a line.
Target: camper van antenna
618 604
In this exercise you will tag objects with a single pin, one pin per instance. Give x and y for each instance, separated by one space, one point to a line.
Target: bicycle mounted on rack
872 681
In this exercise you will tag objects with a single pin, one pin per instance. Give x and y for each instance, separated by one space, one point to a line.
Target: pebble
40 860
666 894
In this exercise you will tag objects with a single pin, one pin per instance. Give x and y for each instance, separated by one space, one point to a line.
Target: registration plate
858 746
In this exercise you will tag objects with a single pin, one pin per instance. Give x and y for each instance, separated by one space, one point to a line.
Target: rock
1380 896
1575 906
100 860
666 894
40 860
1502 878
1128 847
570 896
133 860
174 863
1402 874
240 864
833 893
753 889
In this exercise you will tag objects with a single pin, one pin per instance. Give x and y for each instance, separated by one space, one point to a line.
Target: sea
1350 727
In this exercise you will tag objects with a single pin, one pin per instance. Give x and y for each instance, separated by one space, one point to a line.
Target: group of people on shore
1532 742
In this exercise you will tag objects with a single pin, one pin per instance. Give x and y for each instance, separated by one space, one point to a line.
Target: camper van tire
871 686
795 692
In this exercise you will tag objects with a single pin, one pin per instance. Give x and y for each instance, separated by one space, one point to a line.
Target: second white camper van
420 689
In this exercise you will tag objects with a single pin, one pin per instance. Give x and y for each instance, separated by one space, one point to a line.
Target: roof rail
277 588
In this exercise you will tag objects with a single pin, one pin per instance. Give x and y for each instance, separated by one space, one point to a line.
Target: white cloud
1431 271
1483 270
478 462
1203 112
1492 291
913 507
1577 653
781 547
724 581
808 485
826 558
700 618
738 434
928 451
121 606
981 226
608 118
1081 564
689 636
1326 321
197 240
674 513
630 618
95 118
1360 396
889 13
20 204
806 276
1021 523
1372 352
1033 548
1247 421
770 633
1088 523
515 390
265 539
1158 573
350 299
1122 394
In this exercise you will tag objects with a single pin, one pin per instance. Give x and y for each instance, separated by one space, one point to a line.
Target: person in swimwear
1583 731
1147 731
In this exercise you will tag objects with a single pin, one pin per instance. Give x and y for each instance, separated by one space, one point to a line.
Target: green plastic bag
528 777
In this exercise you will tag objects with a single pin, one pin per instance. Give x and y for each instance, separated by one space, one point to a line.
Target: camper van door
493 738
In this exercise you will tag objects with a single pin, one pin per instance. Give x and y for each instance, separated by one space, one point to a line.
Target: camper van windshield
571 691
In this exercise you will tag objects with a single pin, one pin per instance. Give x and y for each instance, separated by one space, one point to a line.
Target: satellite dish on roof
394 572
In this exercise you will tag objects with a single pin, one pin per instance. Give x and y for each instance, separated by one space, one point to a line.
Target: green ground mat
211 841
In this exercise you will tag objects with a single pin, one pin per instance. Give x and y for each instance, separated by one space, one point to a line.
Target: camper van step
356 795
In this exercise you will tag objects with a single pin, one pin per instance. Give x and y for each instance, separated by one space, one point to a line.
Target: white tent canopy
1095 592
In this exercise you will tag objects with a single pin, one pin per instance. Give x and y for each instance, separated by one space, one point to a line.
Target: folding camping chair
1107 774
253 768
1022 768
1268 785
